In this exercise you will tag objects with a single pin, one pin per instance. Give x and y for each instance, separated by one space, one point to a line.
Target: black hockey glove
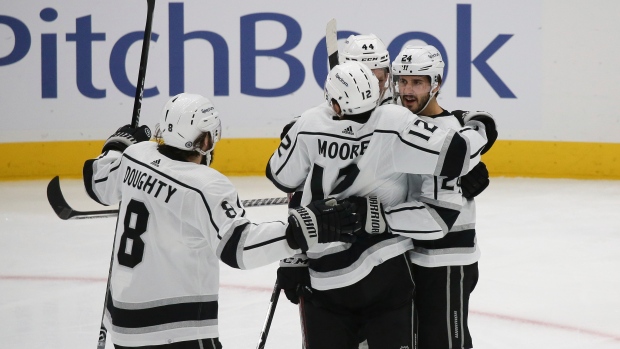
371 215
321 221
126 136
485 118
294 278
475 181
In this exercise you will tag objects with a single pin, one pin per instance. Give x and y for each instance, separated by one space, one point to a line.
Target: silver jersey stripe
444 251
333 248
367 253
165 327
162 302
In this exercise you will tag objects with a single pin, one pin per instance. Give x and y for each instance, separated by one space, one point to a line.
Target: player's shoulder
140 150
208 178
316 118
445 120
392 116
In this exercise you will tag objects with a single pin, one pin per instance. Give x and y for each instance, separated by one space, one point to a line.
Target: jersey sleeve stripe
87 173
390 211
456 155
251 247
229 254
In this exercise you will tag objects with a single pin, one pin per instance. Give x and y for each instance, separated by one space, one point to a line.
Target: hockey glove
475 181
371 215
320 222
294 278
126 136
485 118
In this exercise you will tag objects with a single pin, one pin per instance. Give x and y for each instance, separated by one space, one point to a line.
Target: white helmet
368 49
353 86
419 60
185 117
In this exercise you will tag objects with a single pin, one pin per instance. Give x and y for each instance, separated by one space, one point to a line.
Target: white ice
549 273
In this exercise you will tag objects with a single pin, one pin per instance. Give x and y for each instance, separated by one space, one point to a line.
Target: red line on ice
269 289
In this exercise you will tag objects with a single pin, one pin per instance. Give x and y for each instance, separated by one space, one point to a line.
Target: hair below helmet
187 116
353 86
367 49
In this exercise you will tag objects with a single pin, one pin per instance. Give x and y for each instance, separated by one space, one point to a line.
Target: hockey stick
270 311
64 211
135 119
331 40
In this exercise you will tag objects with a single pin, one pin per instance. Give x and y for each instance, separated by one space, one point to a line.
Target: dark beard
422 103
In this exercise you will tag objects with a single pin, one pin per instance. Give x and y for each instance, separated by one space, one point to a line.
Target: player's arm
244 245
440 196
101 174
413 219
424 148
289 164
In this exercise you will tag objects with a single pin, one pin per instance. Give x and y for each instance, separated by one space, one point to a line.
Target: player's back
345 158
164 195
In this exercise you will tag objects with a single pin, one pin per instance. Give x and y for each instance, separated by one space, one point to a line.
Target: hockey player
177 220
371 51
445 271
350 147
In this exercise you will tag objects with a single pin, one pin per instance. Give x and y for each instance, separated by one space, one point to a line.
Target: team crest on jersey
348 131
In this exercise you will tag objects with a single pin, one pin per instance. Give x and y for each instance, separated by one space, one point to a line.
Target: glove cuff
303 226
375 219
119 141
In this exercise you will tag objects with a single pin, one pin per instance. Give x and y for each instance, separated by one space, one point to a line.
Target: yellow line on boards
248 157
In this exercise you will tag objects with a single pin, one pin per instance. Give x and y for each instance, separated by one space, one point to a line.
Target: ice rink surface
549 272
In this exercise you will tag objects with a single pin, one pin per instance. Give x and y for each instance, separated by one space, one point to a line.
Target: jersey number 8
134 225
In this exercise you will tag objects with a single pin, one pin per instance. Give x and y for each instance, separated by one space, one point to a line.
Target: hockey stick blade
62 208
331 40
66 212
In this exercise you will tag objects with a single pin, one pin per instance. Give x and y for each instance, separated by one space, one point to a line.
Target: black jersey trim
448 215
465 238
87 174
229 252
204 200
161 315
411 208
251 247
405 231
455 157
348 257
275 182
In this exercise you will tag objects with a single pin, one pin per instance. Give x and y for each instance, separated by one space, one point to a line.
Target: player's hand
485 118
294 278
475 181
371 215
126 136
320 222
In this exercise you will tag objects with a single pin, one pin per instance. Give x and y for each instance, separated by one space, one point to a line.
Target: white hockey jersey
342 158
176 221
459 246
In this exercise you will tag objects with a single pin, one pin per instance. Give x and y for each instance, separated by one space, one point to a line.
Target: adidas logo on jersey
156 162
348 130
